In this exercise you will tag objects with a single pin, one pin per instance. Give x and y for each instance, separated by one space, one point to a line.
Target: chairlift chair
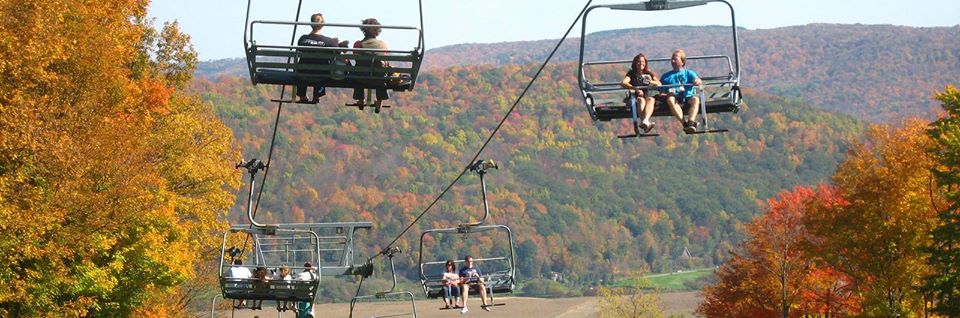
274 245
502 277
391 295
720 92
271 249
277 63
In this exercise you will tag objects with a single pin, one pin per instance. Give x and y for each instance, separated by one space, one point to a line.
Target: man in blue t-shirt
682 95
471 277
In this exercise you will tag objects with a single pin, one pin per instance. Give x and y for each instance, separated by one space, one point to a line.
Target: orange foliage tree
878 238
774 276
111 180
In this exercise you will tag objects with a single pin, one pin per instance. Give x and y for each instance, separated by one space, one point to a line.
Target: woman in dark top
638 78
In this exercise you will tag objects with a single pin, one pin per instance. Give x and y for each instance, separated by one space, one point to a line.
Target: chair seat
609 111
281 77
251 289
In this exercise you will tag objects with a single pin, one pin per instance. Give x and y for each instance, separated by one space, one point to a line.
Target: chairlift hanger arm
659 5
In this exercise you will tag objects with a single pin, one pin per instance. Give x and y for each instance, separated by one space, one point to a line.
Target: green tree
944 281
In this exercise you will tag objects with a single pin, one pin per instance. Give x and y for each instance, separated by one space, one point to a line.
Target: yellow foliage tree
111 180
629 301
877 239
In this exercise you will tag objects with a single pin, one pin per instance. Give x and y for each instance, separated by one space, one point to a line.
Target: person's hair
307 265
313 19
261 273
646 68
237 262
284 271
683 56
370 31
450 262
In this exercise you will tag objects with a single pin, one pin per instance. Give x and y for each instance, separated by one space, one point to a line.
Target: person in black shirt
314 38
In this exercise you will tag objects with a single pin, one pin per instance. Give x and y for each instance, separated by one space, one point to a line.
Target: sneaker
464 310
487 308
647 127
689 128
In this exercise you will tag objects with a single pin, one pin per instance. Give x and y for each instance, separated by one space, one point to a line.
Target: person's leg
641 102
674 108
448 295
483 293
648 110
301 93
358 96
382 94
693 107
458 300
465 290
319 92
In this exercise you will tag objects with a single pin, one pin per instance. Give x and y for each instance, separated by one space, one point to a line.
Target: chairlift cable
276 126
276 123
355 295
492 133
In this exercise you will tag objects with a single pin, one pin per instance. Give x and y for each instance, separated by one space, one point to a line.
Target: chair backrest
362 67
270 289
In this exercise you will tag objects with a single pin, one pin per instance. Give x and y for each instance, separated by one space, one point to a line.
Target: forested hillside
580 201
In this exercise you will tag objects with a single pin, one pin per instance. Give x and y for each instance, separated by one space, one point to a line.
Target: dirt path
516 307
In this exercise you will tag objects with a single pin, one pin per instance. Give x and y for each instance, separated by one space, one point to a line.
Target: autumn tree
773 275
877 238
629 301
112 181
944 281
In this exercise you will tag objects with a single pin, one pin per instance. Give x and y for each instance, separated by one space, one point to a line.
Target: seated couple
457 285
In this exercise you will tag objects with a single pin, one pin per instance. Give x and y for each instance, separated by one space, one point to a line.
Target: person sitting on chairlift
305 308
238 271
370 41
637 77
314 38
284 274
471 277
682 95
451 285
261 285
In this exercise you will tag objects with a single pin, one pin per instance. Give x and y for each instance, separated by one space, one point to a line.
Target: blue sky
216 26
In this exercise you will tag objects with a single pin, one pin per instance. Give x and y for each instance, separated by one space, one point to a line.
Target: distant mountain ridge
873 72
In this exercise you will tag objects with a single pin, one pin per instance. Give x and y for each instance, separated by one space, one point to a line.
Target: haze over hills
873 72
579 201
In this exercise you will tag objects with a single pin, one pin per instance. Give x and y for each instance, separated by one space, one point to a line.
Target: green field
668 282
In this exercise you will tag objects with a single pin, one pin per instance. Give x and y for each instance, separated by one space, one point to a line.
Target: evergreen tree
944 283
